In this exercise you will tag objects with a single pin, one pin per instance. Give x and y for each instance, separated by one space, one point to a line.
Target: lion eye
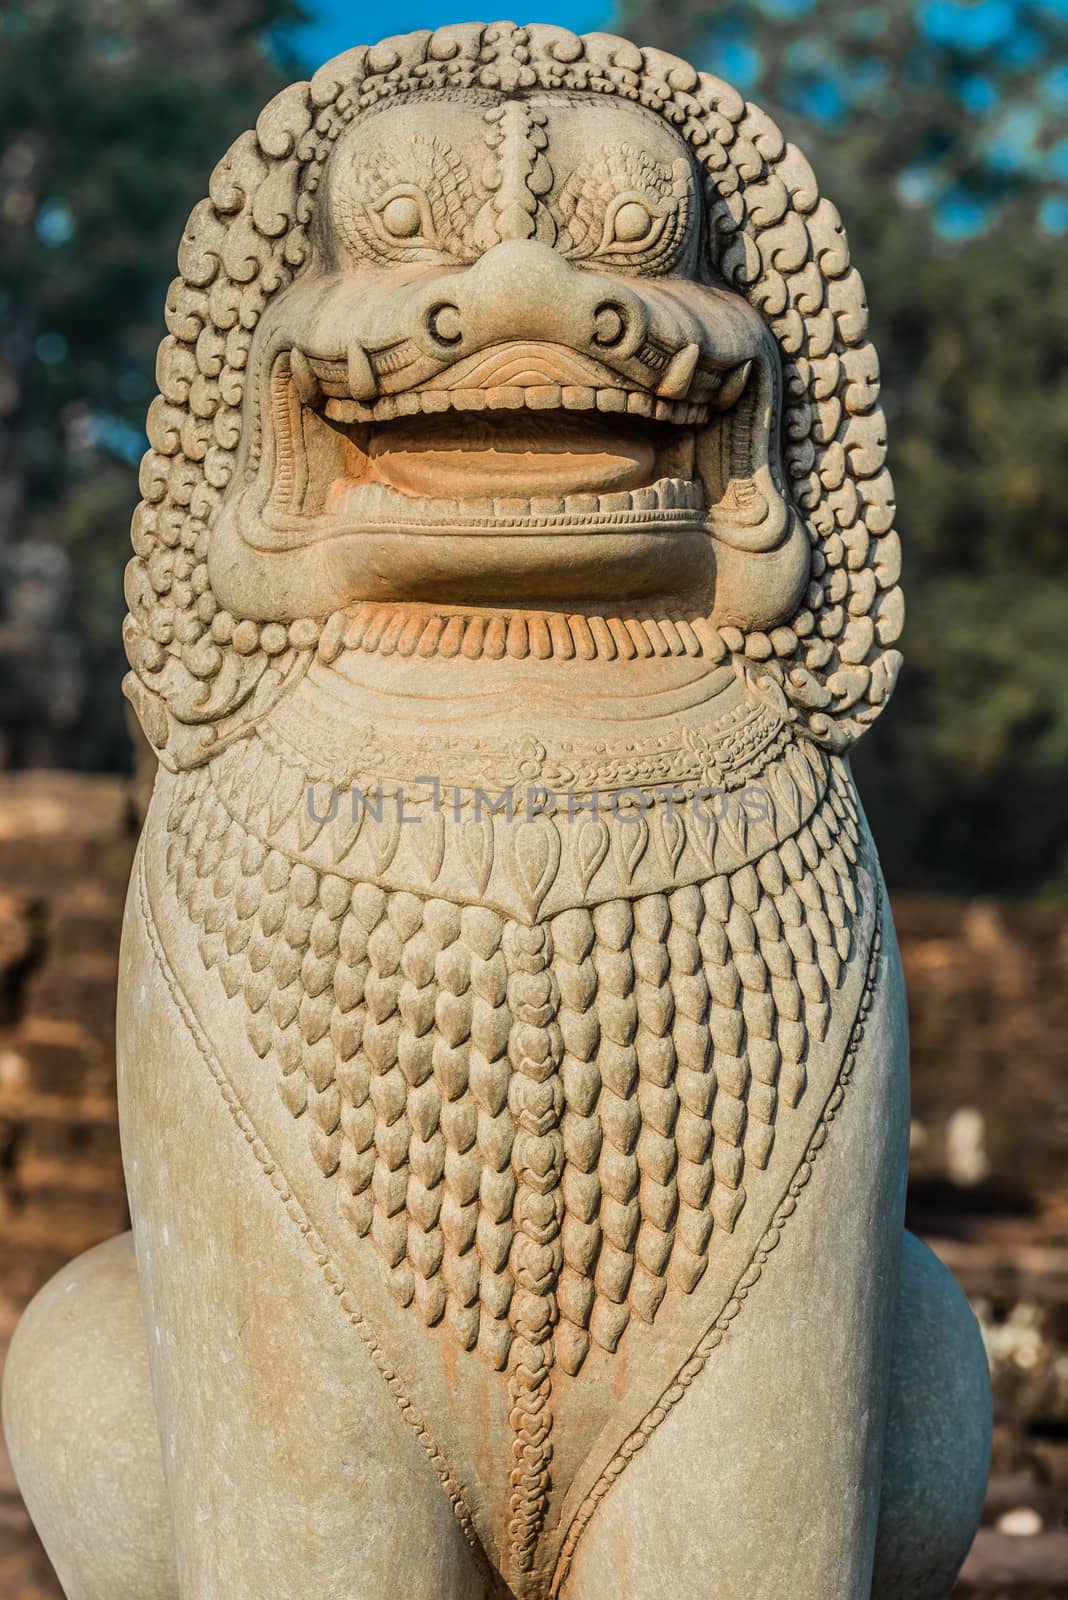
632 223
404 217
632 227
401 217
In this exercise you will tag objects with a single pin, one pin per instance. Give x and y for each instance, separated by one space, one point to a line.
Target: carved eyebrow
621 169
423 162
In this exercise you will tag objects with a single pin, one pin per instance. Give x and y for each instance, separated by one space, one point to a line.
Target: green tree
934 126
112 114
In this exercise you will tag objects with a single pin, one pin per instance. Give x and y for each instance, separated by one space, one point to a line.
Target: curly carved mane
202 675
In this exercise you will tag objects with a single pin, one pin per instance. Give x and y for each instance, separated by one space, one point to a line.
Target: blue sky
337 25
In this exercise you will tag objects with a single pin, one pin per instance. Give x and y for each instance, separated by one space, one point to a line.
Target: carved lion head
499 316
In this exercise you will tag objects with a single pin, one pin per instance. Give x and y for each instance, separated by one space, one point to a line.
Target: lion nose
525 290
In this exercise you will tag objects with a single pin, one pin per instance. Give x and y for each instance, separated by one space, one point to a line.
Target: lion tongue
524 455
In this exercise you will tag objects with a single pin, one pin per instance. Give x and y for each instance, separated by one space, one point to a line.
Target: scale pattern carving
569 1108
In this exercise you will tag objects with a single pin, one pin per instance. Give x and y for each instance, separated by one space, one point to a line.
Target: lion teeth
372 502
304 379
343 410
509 506
361 379
640 405
544 397
547 505
611 399
734 384
510 397
679 372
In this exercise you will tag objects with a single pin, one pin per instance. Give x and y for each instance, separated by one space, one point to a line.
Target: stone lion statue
513 1058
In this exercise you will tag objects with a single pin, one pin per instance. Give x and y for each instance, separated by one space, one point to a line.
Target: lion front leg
81 1428
937 1435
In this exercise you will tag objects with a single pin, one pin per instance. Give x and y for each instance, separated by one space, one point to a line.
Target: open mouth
523 469
515 467
521 438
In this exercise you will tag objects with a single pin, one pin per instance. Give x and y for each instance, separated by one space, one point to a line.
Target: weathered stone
512 1053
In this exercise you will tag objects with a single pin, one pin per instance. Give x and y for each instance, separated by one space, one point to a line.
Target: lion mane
201 675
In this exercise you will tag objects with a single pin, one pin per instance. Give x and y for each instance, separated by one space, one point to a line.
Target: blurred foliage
933 124
112 116
911 114
958 104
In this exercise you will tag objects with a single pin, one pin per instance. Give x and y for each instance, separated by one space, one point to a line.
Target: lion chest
537 1125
